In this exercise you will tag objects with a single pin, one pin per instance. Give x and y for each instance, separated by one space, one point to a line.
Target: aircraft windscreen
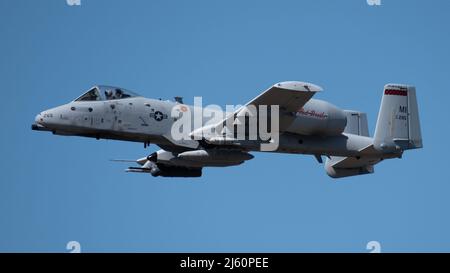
91 95
116 93
102 92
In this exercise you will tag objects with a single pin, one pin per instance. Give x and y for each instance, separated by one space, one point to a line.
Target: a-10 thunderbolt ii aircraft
299 124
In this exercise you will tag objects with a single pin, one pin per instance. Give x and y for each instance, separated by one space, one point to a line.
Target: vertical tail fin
356 123
398 126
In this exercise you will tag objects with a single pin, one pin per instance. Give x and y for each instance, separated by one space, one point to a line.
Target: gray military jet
298 124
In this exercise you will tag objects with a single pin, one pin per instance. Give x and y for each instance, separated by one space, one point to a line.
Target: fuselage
283 119
318 128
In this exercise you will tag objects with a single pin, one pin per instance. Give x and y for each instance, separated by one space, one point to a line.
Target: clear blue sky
56 189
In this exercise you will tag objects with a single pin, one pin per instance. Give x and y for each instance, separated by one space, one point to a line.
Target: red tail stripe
395 92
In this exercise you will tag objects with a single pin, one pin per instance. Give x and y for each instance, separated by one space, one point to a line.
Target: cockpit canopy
103 93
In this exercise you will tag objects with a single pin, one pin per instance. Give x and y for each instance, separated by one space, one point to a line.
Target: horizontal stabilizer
338 166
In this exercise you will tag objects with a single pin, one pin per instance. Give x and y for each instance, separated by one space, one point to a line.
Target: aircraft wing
289 96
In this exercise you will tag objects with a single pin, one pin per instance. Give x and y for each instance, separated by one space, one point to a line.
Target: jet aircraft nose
40 122
38 119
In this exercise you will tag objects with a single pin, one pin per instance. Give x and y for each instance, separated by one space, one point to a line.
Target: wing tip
298 86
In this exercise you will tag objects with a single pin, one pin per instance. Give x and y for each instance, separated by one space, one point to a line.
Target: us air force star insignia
159 116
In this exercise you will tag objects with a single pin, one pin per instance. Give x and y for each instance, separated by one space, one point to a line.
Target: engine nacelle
319 117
